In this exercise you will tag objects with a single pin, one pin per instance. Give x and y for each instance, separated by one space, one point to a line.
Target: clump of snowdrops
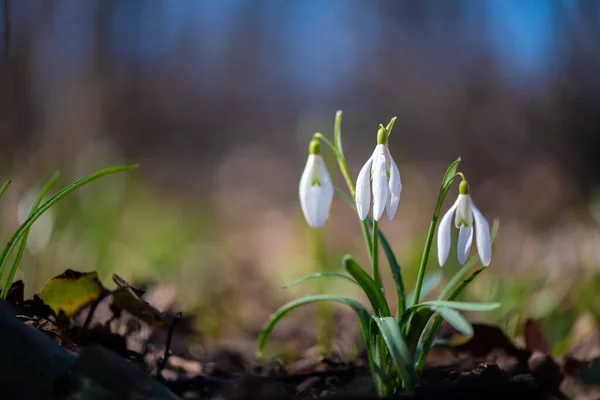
397 345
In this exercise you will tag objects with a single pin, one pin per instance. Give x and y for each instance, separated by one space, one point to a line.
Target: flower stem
375 256
324 310
425 257
346 174
429 241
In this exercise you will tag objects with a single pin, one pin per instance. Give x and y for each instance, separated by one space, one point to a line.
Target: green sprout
21 234
397 345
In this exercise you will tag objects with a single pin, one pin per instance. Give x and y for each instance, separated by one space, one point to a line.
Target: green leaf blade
363 316
450 173
455 319
398 349
23 241
337 133
4 187
321 275
459 305
429 284
369 287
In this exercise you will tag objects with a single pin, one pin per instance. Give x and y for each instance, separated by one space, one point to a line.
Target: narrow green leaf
23 241
459 289
321 275
368 285
389 254
456 278
337 133
455 319
459 305
4 187
363 316
396 270
413 330
398 350
428 337
10 245
449 175
429 284
390 126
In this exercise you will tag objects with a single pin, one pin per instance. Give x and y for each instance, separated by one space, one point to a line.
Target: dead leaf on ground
129 299
71 291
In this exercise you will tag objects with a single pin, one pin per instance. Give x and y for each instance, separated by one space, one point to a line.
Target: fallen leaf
129 299
71 291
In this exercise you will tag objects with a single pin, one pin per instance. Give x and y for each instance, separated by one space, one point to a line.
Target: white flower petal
444 236
395 188
380 181
482 235
464 215
363 189
315 199
324 197
465 239
304 189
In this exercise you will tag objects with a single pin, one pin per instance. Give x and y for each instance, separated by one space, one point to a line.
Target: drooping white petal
380 181
316 191
304 190
444 235
395 188
465 239
324 195
363 189
482 235
464 215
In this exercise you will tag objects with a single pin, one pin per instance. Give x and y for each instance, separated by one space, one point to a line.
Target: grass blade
399 352
23 241
4 187
321 275
455 319
12 242
368 285
429 284
428 336
337 133
449 175
459 305
363 316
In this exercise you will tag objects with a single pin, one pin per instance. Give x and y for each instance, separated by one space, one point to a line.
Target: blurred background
217 101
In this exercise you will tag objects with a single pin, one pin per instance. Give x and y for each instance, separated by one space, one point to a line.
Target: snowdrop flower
381 169
465 214
316 189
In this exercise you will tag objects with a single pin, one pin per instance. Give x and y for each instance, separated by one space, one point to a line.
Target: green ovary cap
382 136
464 187
314 147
